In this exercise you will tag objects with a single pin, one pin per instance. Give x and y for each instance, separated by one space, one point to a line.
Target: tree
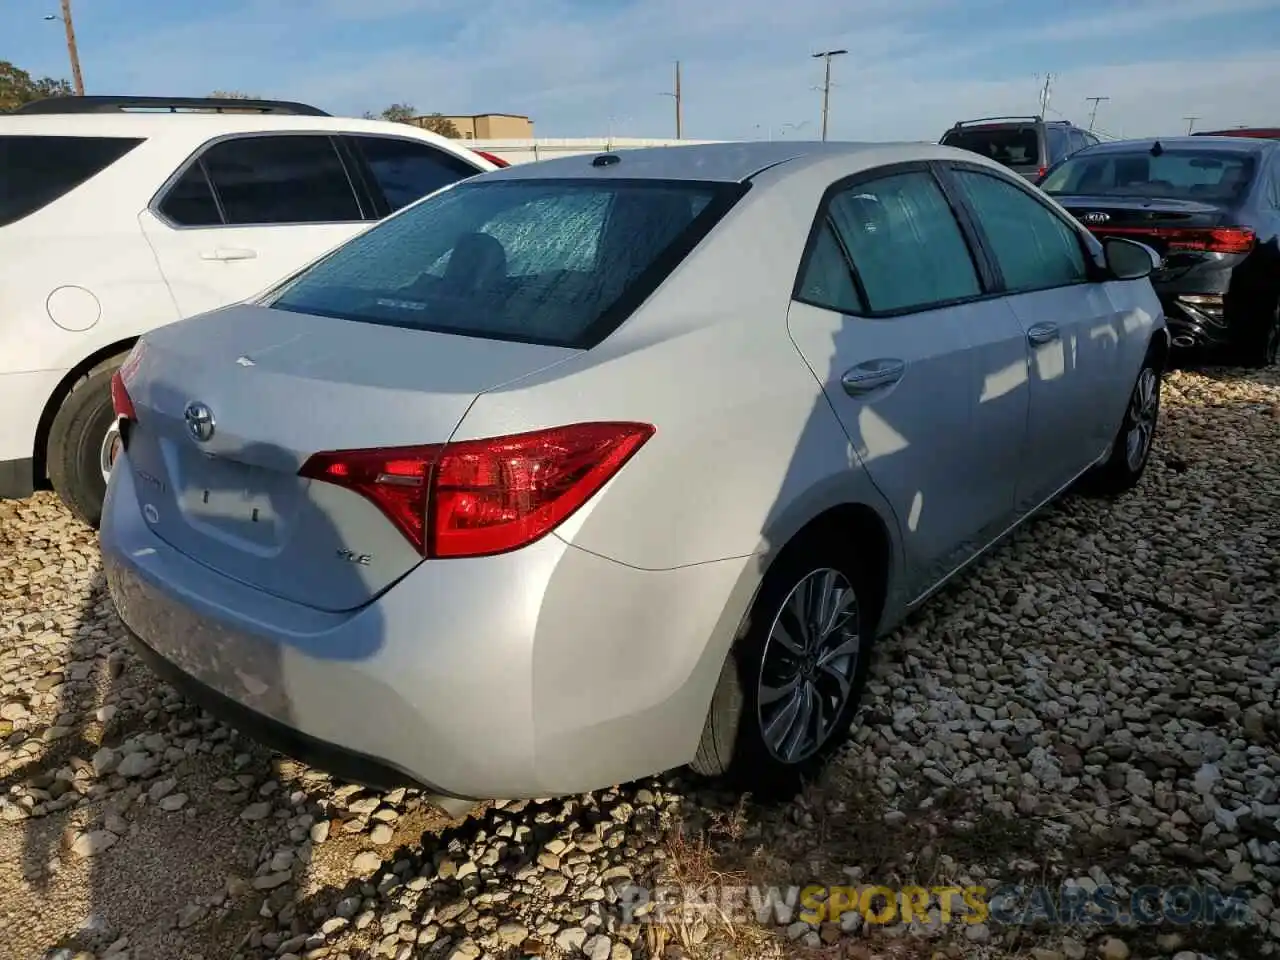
438 123
405 113
18 87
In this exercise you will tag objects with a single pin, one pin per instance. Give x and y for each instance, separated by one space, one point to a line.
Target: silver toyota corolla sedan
587 469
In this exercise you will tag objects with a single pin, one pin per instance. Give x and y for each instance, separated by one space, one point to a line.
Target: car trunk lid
1156 222
231 404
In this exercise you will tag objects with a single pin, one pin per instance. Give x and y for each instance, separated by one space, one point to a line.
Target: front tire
1131 449
79 445
794 679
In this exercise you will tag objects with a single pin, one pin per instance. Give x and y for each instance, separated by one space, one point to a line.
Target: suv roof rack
74 104
965 123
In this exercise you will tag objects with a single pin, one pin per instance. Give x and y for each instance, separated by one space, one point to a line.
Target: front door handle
229 253
872 375
1043 333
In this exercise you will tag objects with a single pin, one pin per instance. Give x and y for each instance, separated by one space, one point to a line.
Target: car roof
729 162
1244 145
193 124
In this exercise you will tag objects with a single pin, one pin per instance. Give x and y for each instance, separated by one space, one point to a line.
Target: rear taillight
1041 172
480 497
495 160
121 402
1201 239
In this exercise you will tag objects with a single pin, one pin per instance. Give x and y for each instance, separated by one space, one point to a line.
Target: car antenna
1157 149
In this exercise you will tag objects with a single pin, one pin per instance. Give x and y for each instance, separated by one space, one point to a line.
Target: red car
1258 133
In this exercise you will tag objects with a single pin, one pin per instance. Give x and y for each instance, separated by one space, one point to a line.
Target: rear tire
76 437
1131 449
772 669
1261 348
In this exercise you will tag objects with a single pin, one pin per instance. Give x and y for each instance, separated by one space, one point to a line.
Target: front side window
1176 174
1033 247
406 170
543 261
281 179
906 246
36 171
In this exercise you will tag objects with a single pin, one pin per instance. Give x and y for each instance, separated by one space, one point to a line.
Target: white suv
118 215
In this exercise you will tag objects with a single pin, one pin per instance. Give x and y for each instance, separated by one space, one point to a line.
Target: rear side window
1012 146
190 201
905 244
406 170
1055 140
35 171
281 179
558 262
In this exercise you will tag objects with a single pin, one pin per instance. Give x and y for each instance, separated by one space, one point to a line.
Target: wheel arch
98 360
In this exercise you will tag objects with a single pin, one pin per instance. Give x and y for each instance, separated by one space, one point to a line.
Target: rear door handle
1042 333
229 253
872 375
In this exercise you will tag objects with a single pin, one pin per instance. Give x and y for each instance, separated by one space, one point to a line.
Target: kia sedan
583 470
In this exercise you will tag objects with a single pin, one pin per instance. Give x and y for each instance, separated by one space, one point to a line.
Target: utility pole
826 83
675 95
1045 92
76 78
1093 114
1191 122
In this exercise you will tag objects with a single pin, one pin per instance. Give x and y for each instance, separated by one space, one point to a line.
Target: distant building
492 126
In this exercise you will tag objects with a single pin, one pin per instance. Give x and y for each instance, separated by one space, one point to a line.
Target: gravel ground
1093 704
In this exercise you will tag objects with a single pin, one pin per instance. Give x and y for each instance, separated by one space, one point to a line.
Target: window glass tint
1012 146
189 202
1075 141
535 260
828 281
407 171
283 179
1175 174
905 242
1033 247
35 171
1055 139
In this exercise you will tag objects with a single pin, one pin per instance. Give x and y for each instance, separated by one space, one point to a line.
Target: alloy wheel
111 445
1144 407
809 663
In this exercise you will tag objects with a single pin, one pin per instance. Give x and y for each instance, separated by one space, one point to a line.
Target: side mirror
1128 259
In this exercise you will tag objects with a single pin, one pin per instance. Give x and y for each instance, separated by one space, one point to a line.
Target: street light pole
77 78
826 83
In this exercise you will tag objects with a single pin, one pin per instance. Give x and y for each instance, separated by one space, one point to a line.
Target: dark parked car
1211 207
1026 145
1257 133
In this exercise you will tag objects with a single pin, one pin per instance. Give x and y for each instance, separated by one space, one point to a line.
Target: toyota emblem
199 421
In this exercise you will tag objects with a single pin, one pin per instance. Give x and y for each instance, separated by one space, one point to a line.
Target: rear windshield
1012 146
557 262
1183 174
35 171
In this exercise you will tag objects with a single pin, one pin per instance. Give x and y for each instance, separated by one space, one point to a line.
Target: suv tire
76 441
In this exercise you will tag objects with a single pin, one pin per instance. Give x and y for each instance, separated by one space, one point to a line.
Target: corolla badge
1096 217
199 421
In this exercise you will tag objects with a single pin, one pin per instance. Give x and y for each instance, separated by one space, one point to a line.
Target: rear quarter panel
747 448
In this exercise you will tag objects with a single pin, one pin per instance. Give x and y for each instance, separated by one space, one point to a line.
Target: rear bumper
542 672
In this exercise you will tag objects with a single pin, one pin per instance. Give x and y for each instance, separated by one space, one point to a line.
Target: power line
1093 114
826 83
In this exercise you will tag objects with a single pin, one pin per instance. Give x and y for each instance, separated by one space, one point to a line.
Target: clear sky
581 67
